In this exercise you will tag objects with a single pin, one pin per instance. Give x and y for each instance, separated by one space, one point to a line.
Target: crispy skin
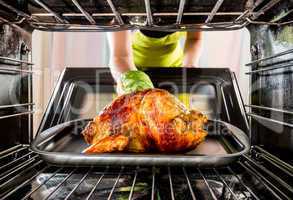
113 143
172 127
151 120
121 116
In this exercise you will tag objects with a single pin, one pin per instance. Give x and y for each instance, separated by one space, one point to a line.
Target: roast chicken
151 120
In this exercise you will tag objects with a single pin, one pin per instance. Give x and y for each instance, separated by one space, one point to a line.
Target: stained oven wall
272 87
15 86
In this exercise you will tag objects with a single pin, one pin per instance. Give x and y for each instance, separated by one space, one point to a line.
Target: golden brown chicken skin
149 120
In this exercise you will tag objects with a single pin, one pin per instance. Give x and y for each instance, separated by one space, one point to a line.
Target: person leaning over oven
132 51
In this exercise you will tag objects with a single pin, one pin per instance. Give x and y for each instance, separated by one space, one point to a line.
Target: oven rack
271 63
15 61
21 167
269 58
20 67
267 64
62 20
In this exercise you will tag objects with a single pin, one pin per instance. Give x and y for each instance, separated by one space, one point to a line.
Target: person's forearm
192 50
121 58
119 65
191 53
122 64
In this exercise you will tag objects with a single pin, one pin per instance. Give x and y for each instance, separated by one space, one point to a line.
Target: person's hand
132 81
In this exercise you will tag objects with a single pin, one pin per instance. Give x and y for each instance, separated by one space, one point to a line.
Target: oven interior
260 174
83 92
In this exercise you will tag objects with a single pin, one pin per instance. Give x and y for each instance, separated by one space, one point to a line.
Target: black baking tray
62 145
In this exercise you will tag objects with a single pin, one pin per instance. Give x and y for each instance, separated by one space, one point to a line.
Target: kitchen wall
228 49
52 52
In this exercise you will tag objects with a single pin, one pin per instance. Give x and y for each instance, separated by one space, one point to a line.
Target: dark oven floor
259 175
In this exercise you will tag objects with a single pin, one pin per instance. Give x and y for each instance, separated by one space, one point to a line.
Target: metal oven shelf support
148 12
250 165
255 116
180 11
17 114
115 12
62 23
16 60
57 16
84 12
214 11
271 109
16 105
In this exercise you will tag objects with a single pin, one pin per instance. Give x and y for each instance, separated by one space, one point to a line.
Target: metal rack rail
109 181
15 60
258 61
261 65
214 11
17 114
18 67
265 69
115 12
259 117
62 20
16 11
148 12
16 105
180 11
9 69
57 16
270 109
84 12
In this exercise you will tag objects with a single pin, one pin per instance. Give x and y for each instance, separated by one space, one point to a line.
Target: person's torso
157 49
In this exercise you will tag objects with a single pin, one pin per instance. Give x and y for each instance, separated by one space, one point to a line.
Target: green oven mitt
132 81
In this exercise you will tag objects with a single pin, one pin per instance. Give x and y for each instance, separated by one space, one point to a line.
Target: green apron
157 52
